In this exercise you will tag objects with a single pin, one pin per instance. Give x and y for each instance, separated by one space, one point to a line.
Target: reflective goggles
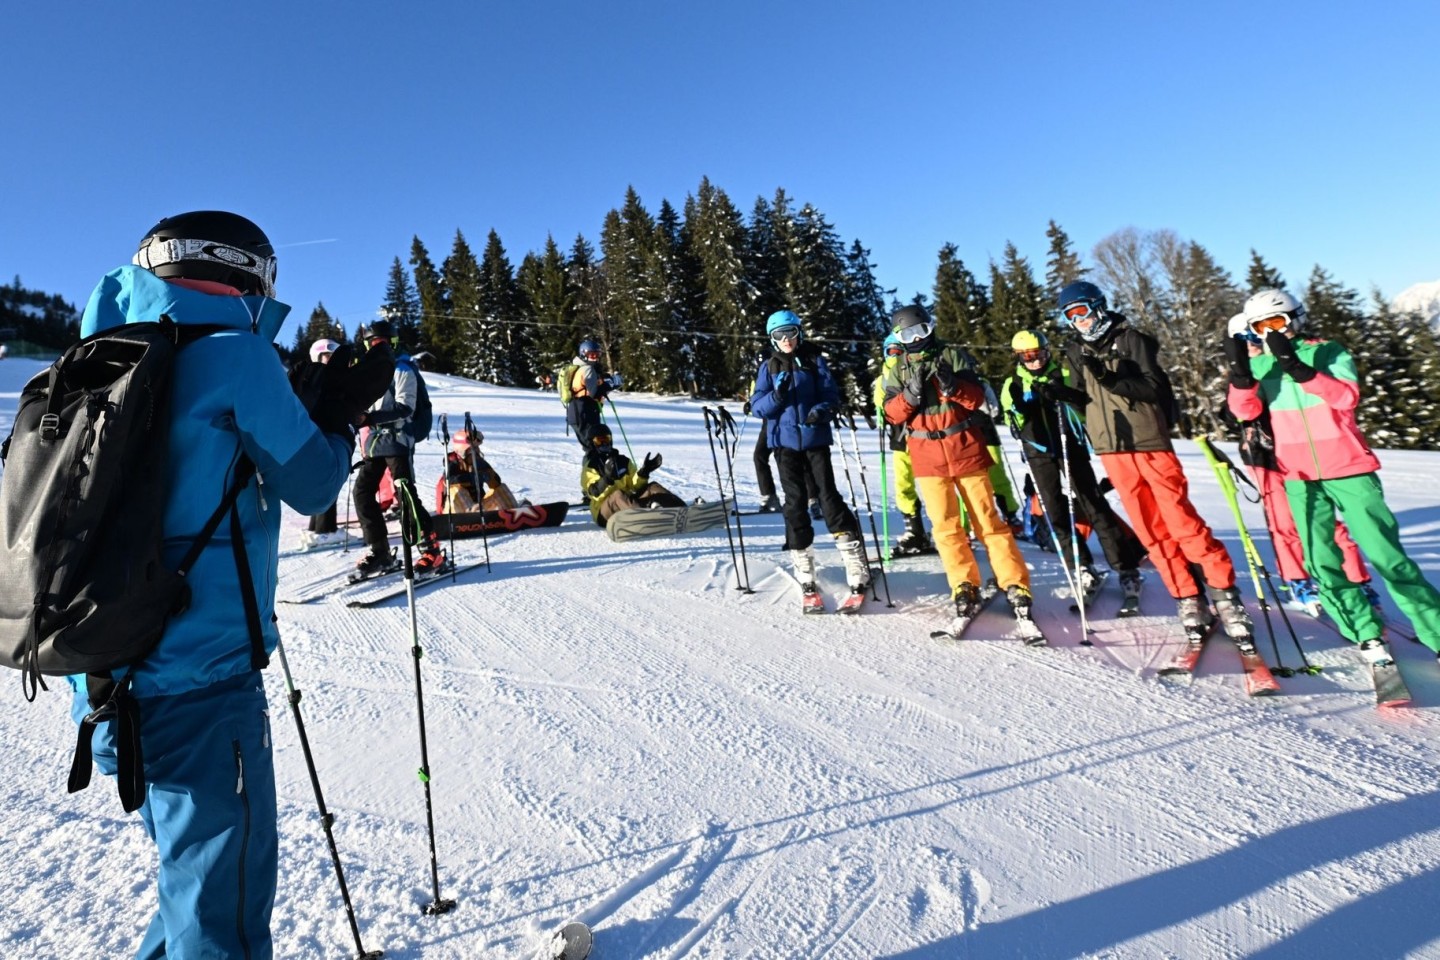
894 350
1079 310
915 332
1264 325
1031 356
601 440
787 332
157 253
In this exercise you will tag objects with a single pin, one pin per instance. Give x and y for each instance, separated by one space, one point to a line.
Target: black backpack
83 585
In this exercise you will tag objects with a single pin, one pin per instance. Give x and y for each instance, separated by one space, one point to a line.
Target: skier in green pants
1311 389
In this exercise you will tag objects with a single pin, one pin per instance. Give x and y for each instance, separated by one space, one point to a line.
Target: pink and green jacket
1316 436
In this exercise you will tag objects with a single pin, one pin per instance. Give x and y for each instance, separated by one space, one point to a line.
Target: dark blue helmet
1082 302
588 350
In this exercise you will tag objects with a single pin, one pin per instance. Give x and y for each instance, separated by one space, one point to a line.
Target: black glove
1283 349
1237 355
1018 399
602 389
818 416
783 385
945 379
650 464
615 466
746 408
914 388
1029 487
337 394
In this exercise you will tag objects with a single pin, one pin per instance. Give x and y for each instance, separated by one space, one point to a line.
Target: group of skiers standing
1105 393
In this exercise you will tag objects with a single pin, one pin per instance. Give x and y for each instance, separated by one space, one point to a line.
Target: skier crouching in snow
1131 409
467 491
936 397
1311 389
1033 399
797 397
614 484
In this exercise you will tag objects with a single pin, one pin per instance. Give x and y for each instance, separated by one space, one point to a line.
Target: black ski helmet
210 245
913 327
381 329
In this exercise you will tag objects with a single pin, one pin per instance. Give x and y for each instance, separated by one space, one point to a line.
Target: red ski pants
1289 556
1157 499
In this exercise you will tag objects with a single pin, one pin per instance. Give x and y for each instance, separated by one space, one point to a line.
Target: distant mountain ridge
1423 298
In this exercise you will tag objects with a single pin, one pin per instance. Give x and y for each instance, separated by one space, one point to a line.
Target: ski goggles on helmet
915 332
787 332
157 253
1033 354
1278 321
1080 310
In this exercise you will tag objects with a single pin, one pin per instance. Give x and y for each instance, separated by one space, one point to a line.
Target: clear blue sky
1310 131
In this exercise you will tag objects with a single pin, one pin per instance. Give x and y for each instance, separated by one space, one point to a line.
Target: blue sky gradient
1308 131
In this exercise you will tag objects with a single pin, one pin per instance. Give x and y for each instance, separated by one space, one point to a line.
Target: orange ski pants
947 524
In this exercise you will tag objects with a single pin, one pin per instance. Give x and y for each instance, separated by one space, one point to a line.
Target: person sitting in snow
467 492
613 483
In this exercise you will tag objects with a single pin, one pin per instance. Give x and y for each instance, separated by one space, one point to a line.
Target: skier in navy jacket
210 780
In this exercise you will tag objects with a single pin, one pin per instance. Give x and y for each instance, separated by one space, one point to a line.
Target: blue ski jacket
230 394
788 389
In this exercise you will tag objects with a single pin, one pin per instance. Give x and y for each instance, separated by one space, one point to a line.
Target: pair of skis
1259 681
1026 629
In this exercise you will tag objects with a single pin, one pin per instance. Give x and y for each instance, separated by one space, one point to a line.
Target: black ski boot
374 565
914 541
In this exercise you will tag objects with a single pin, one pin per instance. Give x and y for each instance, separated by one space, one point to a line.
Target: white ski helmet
322 347
1274 303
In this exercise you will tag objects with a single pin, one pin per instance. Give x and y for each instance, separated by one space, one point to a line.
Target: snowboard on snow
664 521
524 517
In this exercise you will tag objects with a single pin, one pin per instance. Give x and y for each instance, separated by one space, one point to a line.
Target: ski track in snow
617 734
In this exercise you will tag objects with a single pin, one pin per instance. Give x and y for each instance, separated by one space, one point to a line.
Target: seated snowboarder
614 484
467 494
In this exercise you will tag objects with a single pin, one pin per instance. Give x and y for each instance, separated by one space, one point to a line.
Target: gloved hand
337 394
1237 356
615 381
818 416
614 466
1021 397
602 390
1283 349
746 408
945 379
650 464
914 387
783 385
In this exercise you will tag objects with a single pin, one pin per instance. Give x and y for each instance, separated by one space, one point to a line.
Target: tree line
677 301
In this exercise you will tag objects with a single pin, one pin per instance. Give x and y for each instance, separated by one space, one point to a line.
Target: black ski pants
763 477
367 508
1123 551
798 469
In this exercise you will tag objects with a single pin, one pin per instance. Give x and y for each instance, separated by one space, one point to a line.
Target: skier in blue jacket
797 398
209 775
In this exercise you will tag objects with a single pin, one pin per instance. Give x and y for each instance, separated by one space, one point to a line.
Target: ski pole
720 485
473 435
1075 586
729 447
446 499
616 411
1225 471
326 818
409 536
855 507
869 505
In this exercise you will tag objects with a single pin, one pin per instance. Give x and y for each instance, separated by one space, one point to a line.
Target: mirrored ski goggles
788 332
894 350
1080 310
157 253
1263 326
915 332
1031 356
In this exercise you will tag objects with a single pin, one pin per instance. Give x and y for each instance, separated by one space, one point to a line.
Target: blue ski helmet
782 318
1083 299
588 350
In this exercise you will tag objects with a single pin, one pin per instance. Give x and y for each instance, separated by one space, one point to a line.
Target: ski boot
1018 596
857 573
1376 652
432 559
770 504
1230 608
373 565
1374 599
1195 617
967 601
914 541
804 560
815 512
1304 596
